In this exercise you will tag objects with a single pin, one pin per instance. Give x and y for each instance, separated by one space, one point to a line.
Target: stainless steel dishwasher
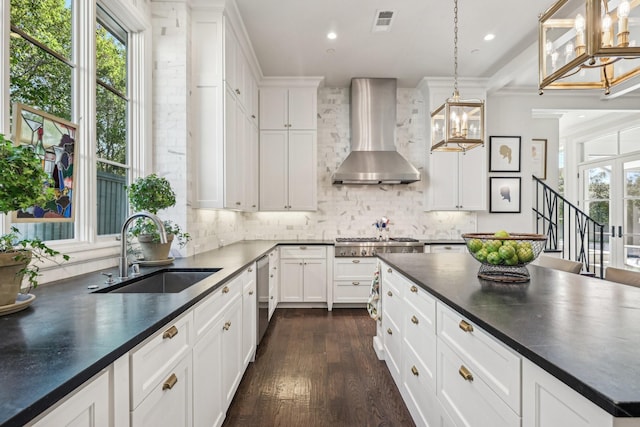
263 297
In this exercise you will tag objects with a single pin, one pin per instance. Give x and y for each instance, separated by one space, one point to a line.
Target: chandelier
589 44
457 125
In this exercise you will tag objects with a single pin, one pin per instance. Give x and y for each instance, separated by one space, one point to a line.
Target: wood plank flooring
316 368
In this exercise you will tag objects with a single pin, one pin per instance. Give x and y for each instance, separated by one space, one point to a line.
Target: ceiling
289 39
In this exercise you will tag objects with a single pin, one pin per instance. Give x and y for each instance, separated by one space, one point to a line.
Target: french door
610 194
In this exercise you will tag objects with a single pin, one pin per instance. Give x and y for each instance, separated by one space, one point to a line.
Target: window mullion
84 109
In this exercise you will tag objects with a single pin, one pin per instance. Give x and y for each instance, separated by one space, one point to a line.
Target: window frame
87 245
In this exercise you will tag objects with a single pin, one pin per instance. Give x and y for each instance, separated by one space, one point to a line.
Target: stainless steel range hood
373 158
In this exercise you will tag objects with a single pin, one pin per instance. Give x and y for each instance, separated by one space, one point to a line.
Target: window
41 75
111 123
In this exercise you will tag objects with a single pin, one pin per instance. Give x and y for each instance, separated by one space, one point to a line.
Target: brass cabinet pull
414 320
170 333
170 382
250 292
250 270
389 293
355 283
464 373
303 247
389 331
414 371
465 326
271 275
389 270
355 261
238 91
225 290
414 289
226 326
271 297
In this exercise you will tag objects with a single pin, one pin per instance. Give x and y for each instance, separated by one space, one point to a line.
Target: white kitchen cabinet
274 280
442 248
547 402
303 274
208 408
352 279
456 181
88 406
288 170
222 102
249 307
231 352
283 108
169 403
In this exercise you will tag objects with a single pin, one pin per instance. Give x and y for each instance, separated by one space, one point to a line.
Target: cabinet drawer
420 339
170 401
392 341
152 360
469 399
303 251
208 310
434 249
351 291
419 389
361 269
423 305
498 366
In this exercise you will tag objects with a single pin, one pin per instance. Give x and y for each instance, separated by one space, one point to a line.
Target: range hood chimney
373 158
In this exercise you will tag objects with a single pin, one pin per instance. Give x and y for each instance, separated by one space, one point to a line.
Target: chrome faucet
123 262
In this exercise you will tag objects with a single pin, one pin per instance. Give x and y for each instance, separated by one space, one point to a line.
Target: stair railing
569 230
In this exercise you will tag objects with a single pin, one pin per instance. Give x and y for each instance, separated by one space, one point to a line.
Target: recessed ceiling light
489 37
332 35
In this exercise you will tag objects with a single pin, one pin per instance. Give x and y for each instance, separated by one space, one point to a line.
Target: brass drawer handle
355 261
389 331
250 292
170 382
226 326
465 326
414 289
389 270
225 290
170 333
414 371
389 293
271 275
355 283
464 373
303 247
414 320
250 270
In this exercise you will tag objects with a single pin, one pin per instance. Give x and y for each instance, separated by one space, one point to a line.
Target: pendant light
589 44
457 125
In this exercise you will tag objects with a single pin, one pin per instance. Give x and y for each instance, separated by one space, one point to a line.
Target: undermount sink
166 281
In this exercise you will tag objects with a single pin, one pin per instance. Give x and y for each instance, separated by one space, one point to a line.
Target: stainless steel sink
166 281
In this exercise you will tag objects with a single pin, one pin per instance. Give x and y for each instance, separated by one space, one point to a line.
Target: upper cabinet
224 112
284 108
455 181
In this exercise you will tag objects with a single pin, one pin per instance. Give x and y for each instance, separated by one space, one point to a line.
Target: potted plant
151 194
23 183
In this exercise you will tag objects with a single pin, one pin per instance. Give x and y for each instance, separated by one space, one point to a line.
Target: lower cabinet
274 280
249 314
208 408
89 406
352 279
169 403
303 274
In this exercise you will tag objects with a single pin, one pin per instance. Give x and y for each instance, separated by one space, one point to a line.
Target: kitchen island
583 331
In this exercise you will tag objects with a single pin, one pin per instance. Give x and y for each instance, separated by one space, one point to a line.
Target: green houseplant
151 194
23 183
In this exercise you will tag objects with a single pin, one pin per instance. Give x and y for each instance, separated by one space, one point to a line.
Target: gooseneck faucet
123 262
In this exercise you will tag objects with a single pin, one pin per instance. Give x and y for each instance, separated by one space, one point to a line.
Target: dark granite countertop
70 334
584 331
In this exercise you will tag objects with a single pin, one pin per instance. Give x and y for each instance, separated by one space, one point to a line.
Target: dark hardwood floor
317 368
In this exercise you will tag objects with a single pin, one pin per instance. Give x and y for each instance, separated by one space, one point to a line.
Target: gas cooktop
370 246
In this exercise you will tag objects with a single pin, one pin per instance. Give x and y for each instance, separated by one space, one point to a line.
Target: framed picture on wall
504 194
539 158
504 154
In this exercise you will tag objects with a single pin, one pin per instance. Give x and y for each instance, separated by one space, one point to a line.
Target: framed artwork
504 154
539 158
504 194
53 140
